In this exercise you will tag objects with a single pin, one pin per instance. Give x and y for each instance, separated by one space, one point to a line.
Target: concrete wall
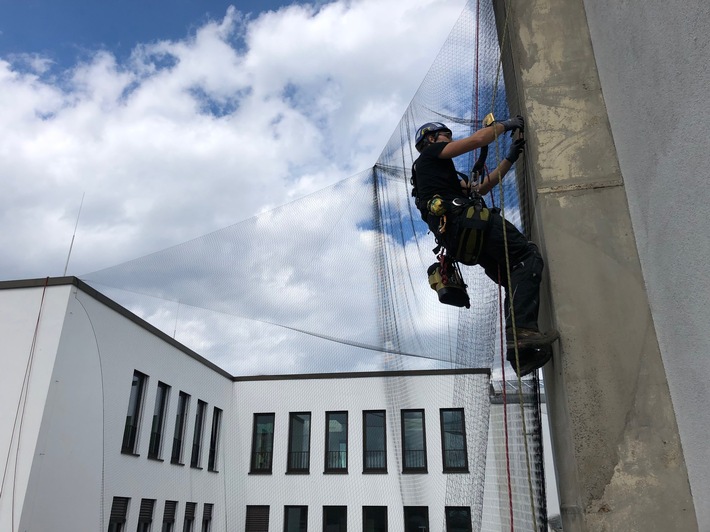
619 455
653 67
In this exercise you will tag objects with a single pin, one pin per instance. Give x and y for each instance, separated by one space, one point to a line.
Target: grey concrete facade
627 384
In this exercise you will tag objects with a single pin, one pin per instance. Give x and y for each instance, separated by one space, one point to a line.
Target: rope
21 404
509 282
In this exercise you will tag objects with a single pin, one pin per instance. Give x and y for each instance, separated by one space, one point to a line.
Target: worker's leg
526 267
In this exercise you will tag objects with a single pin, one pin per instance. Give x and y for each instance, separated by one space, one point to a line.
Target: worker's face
441 136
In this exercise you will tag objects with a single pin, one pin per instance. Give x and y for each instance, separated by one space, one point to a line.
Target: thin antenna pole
74 235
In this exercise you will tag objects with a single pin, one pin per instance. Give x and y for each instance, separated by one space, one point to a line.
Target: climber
470 233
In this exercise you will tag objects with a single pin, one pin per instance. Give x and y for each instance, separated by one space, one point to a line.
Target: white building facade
109 424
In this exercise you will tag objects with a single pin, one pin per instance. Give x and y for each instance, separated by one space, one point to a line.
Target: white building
109 424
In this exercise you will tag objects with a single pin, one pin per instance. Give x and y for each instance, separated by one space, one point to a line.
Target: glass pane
375 438
416 519
296 519
413 435
374 519
263 442
454 439
337 444
299 443
335 519
458 519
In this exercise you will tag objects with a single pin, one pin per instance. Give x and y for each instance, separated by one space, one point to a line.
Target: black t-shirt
436 176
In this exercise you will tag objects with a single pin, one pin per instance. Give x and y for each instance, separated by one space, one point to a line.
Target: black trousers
526 267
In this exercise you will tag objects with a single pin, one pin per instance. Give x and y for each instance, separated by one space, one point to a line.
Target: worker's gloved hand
514 123
515 150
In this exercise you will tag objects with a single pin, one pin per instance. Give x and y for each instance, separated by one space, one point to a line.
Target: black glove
514 123
515 150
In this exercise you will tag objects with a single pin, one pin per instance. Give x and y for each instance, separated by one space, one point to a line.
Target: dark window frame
327 467
344 509
303 466
119 514
169 513
257 512
445 452
188 523
131 431
302 518
426 516
448 509
365 467
198 434
157 428
207 510
405 461
145 515
180 424
215 436
254 469
364 517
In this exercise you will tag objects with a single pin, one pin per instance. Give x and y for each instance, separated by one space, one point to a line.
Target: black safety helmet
420 140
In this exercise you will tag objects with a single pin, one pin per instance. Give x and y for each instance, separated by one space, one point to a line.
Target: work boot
531 359
530 338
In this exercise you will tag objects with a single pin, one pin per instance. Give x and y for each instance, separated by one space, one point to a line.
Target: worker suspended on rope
467 232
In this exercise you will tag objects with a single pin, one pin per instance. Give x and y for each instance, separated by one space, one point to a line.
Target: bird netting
331 281
337 280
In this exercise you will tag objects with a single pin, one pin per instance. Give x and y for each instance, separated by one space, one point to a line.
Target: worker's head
429 133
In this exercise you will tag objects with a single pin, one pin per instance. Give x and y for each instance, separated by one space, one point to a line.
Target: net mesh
337 280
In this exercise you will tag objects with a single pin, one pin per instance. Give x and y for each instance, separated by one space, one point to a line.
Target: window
257 519
453 440
374 519
262 445
416 519
296 518
413 442
458 519
214 439
299 442
188 525
374 442
156 430
130 432
336 442
180 418
145 516
207 517
197 436
335 518
119 511
169 516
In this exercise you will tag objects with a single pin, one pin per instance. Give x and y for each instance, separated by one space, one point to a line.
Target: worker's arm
505 165
482 137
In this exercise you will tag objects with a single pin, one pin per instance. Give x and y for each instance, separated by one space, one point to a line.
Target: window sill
375 472
155 458
298 472
129 453
196 467
336 472
259 473
177 463
461 471
415 472
213 471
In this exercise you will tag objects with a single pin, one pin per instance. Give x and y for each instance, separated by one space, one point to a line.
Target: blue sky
65 29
